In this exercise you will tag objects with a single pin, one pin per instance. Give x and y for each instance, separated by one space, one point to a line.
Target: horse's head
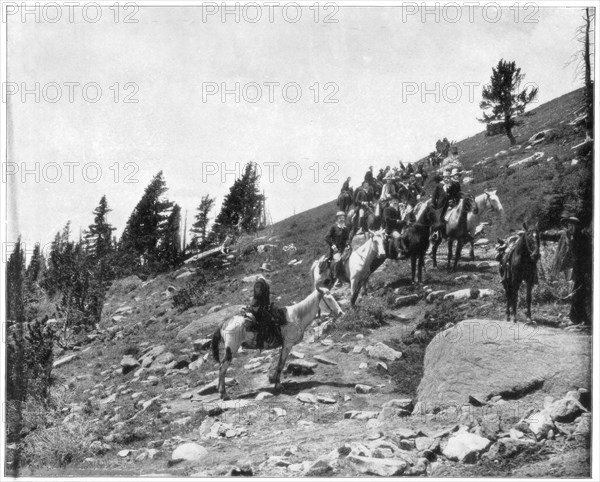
378 239
531 237
492 201
329 303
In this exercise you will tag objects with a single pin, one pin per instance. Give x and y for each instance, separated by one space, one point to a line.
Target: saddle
266 323
504 249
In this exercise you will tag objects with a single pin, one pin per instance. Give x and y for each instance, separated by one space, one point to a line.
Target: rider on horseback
266 317
363 197
338 239
346 185
392 222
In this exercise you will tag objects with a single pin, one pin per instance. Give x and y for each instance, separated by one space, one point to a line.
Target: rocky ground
360 397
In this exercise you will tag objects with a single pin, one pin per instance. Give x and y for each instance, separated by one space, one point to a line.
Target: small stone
124 453
305 397
324 360
376 466
263 395
326 400
361 388
296 354
363 366
383 352
465 447
357 350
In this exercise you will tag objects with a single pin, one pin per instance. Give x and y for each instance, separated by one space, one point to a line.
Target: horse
361 263
455 230
233 333
344 201
519 263
371 221
487 201
417 238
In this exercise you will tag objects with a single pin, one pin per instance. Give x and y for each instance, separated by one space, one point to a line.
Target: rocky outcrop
489 358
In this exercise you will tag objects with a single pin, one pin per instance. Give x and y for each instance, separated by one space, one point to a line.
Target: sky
394 84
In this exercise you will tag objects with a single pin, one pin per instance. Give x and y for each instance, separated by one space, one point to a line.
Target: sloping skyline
400 84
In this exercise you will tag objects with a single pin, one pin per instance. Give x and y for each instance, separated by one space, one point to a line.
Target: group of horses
462 225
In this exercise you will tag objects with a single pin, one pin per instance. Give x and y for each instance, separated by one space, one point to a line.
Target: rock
129 364
64 360
542 135
326 400
464 294
487 357
123 310
485 292
481 242
434 295
540 424
565 410
584 426
201 344
252 366
375 466
305 397
383 352
404 433
263 396
506 448
403 403
214 309
357 350
164 358
319 468
488 264
212 387
253 278
301 367
324 360
208 323
427 443
297 355
195 364
124 453
407 300
117 318
382 366
465 447
363 366
190 451
360 388
360 415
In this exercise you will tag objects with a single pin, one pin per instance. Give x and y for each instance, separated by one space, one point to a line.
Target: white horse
358 267
233 333
488 201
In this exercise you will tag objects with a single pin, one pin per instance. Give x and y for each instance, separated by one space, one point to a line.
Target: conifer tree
200 226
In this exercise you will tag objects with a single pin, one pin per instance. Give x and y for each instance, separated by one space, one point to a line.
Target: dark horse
417 238
518 264
344 200
456 229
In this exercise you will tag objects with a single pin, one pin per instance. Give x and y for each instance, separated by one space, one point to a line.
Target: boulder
301 367
434 295
565 410
190 451
305 397
129 364
208 323
540 424
463 294
407 300
465 447
377 466
383 352
487 357
164 358
362 388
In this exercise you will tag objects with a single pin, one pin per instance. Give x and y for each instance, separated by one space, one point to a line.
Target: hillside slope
119 421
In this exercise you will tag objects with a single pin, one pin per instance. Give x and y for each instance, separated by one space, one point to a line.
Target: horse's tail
214 344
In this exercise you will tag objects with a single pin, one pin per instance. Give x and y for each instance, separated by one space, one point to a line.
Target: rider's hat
340 213
571 220
389 177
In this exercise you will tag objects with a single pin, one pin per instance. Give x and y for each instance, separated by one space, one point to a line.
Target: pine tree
145 225
241 209
98 236
503 97
170 245
200 226
15 271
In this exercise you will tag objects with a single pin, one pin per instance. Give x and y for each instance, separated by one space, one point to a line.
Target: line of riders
393 195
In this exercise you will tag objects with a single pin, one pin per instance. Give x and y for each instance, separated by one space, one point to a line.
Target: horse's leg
515 298
529 288
276 377
472 250
434 249
413 267
223 371
450 246
507 290
459 245
421 263
354 289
